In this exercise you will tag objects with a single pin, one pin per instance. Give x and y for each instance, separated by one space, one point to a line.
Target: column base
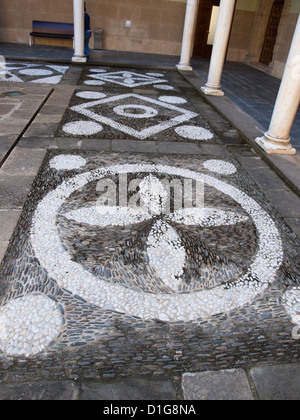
79 59
275 147
184 67
212 91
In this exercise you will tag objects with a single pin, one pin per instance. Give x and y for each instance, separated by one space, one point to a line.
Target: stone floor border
266 383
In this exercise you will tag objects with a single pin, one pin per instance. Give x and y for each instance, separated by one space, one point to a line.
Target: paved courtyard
146 250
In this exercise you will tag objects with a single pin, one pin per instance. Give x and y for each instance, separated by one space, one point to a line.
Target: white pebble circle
194 133
36 72
67 162
94 83
28 325
146 111
155 74
291 302
97 71
89 94
220 167
82 128
164 87
173 100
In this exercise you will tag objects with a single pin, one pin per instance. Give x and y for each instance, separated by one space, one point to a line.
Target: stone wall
16 16
242 29
249 30
156 26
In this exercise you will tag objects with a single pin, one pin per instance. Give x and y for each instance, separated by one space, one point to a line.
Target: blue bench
51 30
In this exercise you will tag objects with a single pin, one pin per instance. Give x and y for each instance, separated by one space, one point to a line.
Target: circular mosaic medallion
156 260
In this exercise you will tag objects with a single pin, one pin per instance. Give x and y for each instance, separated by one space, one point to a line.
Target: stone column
2 68
79 56
188 35
226 12
277 139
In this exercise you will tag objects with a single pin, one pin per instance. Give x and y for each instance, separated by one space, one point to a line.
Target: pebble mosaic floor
126 78
132 105
83 268
128 263
33 73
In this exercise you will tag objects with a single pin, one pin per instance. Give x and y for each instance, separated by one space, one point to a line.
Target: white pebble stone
26 331
194 133
82 128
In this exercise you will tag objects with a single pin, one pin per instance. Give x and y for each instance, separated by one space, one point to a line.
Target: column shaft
188 35
79 56
226 12
277 139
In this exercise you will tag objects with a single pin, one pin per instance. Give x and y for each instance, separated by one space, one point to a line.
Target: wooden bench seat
51 30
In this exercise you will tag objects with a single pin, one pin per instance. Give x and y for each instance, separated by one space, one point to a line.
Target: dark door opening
205 27
272 32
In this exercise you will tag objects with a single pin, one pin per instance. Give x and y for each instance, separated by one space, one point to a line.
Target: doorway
205 28
267 52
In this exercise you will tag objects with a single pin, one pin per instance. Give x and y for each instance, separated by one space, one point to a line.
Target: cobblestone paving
133 105
80 279
142 264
